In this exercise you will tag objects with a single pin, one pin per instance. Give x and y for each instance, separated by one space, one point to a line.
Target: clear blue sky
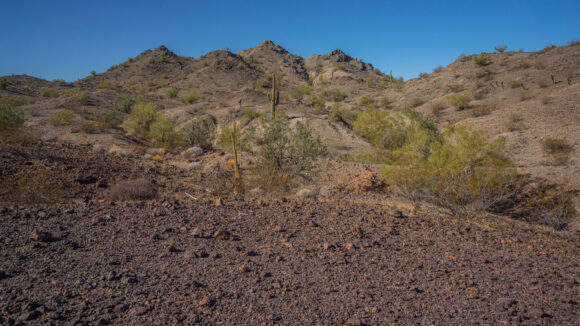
68 39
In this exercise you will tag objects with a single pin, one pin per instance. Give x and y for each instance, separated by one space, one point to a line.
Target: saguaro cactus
275 97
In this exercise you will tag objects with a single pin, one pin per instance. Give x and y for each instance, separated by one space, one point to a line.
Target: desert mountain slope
523 97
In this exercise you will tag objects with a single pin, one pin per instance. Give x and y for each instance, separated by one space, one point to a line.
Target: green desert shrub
163 132
49 92
335 95
365 101
125 103
287 150
105 84
10 117
460 169
482 59
4 83
82 96
62 117
110 116
342 114
298 93
199 131
251 114
172 92
192 96
140 119
315 102
458 101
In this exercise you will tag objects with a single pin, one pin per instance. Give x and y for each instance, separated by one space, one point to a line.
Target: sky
68 39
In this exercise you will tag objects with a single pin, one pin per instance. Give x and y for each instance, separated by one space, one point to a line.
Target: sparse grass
40 186
139 189
82 96
525 64
458 101
559 150
384 102
94 127
106 84
251 114
463 57
315 102
478 95
172 92
14 101
335 95
364 101
193 96
483 110
482 59
62 117
538 64
514 84
515 122
416 101
437 108
49 92
298 93
10 117
456 87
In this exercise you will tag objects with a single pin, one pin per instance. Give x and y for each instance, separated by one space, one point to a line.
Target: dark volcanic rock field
280 262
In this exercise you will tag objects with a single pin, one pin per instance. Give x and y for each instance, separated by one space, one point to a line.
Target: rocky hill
523 97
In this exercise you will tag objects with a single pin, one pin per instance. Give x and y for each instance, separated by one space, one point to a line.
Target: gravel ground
276 262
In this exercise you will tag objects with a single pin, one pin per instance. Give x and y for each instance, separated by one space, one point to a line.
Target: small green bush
315 102
10 117
199 131
482 59
163 132
110 116
193 96
105 84
82 96
298 93
335 95
172 92
500 48
4 83
62 117
140 119
463 57
459 169
365 101
287 150
458 101
341 114
125 103
49 92
251 114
